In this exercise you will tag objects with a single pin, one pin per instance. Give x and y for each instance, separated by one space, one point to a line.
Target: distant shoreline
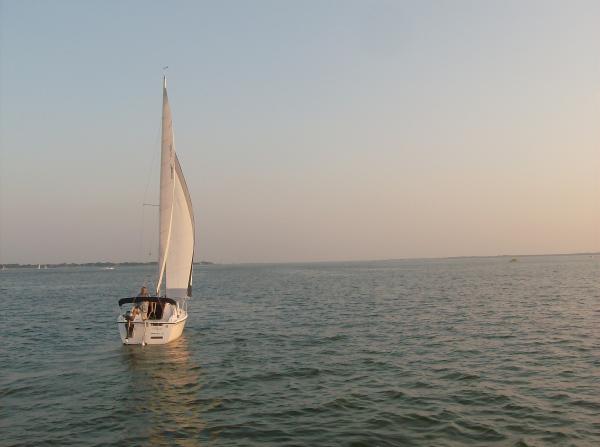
133 264
89 264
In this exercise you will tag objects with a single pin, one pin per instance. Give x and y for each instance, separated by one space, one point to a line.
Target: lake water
395 353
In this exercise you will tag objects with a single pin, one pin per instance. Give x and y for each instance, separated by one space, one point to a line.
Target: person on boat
151 309
148 307
144 305
129 317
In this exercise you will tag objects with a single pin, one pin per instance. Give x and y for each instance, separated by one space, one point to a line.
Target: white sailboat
161 318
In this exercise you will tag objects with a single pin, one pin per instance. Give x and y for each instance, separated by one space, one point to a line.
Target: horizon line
206 262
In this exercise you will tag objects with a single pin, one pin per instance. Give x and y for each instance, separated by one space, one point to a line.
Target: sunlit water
442 352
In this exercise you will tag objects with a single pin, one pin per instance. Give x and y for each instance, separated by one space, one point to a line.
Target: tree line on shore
88 264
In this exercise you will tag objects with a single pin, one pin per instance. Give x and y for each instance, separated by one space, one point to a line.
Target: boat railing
184 304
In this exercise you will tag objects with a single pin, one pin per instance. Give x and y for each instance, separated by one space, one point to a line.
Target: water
440 352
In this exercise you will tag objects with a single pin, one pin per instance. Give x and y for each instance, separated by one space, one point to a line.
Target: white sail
181 244
176 221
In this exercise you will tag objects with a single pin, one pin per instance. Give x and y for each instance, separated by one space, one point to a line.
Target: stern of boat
152 331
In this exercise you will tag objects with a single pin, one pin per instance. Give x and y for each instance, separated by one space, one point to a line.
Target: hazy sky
307 130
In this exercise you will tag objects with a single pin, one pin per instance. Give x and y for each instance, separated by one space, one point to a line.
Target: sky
307 130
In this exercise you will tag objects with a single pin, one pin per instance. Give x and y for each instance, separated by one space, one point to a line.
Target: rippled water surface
437 352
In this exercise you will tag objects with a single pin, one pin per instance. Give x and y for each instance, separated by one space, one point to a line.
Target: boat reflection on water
162 398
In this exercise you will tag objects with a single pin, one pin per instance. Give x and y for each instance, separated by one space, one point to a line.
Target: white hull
151 332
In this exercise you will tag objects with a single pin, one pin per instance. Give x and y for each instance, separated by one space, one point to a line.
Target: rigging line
157 143
141 248
150 171
150 276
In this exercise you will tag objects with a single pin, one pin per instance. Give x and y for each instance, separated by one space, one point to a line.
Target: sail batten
176 221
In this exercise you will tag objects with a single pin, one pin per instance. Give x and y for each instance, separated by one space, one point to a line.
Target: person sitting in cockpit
144 304
144 309
130 316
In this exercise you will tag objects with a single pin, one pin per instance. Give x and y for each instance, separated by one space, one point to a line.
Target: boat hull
151 332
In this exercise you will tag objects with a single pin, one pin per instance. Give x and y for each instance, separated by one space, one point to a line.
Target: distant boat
3 267
513 260
161 318
45 267
109 268
39 267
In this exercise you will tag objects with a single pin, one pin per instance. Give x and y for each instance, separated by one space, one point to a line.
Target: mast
166 187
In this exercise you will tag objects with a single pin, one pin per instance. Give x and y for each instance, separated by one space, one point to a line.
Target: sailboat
160 318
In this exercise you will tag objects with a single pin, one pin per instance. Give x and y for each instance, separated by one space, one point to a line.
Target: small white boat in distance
161 318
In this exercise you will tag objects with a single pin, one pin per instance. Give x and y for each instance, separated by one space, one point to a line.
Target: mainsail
176 221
